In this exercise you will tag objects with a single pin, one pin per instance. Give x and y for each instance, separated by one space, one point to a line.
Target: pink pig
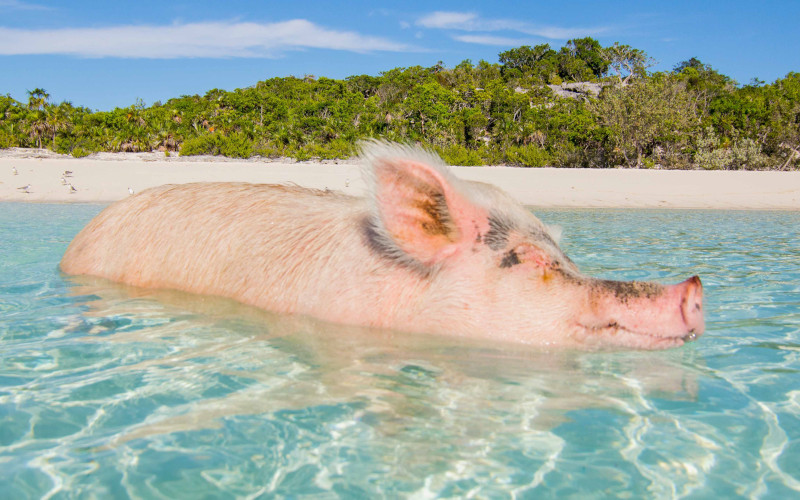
424 252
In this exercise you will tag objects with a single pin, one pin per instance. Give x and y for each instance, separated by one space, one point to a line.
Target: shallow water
113 392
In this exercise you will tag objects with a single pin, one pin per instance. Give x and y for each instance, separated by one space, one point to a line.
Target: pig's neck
341 279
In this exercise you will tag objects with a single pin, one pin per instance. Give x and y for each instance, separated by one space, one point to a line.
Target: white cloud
216 40
468 21
491 40
447 20
16 4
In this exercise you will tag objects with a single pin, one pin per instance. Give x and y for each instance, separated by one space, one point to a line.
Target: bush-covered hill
526 110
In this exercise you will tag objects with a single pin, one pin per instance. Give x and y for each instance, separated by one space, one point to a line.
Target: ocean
108 391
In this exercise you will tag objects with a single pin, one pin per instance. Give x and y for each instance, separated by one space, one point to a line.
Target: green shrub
79 152
527 156
201 145
568 155
648 162
267 150
456 154
742 154
491 155
68 144
337 148
7 140
300 154
340 148
235 145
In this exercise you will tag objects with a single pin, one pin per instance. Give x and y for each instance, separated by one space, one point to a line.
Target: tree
626 62
364 84
581 59
657 111
694 63
57 119
37 99
480 112
525 58
702 76
787 109
590 52
37 120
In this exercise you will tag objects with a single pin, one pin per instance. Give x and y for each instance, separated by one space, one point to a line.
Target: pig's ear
418 210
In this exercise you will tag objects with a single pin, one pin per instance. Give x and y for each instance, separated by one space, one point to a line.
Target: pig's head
487 267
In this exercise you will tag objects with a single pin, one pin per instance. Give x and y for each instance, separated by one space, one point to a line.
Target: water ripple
115 392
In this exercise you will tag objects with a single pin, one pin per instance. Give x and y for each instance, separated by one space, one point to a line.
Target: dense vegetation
515 112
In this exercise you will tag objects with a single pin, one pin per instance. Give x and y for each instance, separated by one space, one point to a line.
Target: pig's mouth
615 334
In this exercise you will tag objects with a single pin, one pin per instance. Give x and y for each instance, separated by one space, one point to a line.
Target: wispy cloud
16 4
449 20
215 40
501 41
470 21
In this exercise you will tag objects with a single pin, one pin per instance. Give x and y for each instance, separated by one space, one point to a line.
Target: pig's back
229 239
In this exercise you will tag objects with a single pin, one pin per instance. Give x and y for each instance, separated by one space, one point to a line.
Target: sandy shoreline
107 177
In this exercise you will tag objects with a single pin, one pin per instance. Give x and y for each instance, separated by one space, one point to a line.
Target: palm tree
38 128
58 118
37 100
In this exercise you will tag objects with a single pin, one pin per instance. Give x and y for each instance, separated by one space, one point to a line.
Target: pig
423 252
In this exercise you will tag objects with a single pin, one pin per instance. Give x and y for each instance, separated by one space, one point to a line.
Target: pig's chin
614 335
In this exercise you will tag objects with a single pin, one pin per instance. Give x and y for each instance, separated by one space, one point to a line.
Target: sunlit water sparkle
108 391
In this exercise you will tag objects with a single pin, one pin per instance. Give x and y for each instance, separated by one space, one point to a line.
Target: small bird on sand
25 189
67 173
130 191
14 170
72 188
63 180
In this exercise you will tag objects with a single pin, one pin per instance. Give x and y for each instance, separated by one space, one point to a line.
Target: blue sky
104 54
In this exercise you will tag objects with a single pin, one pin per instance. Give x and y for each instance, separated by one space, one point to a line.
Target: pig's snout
692 307
646 314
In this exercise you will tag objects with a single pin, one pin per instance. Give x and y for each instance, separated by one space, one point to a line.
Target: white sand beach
107 177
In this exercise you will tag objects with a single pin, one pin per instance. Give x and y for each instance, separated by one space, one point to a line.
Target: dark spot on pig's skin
510 259
499 230
569 276
624 290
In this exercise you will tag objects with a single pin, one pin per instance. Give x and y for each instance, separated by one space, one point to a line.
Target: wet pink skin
670 318
423 252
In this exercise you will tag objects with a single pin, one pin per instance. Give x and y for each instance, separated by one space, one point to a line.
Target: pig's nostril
692 307
697 294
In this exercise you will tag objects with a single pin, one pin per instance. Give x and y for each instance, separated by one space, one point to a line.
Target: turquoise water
114 392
